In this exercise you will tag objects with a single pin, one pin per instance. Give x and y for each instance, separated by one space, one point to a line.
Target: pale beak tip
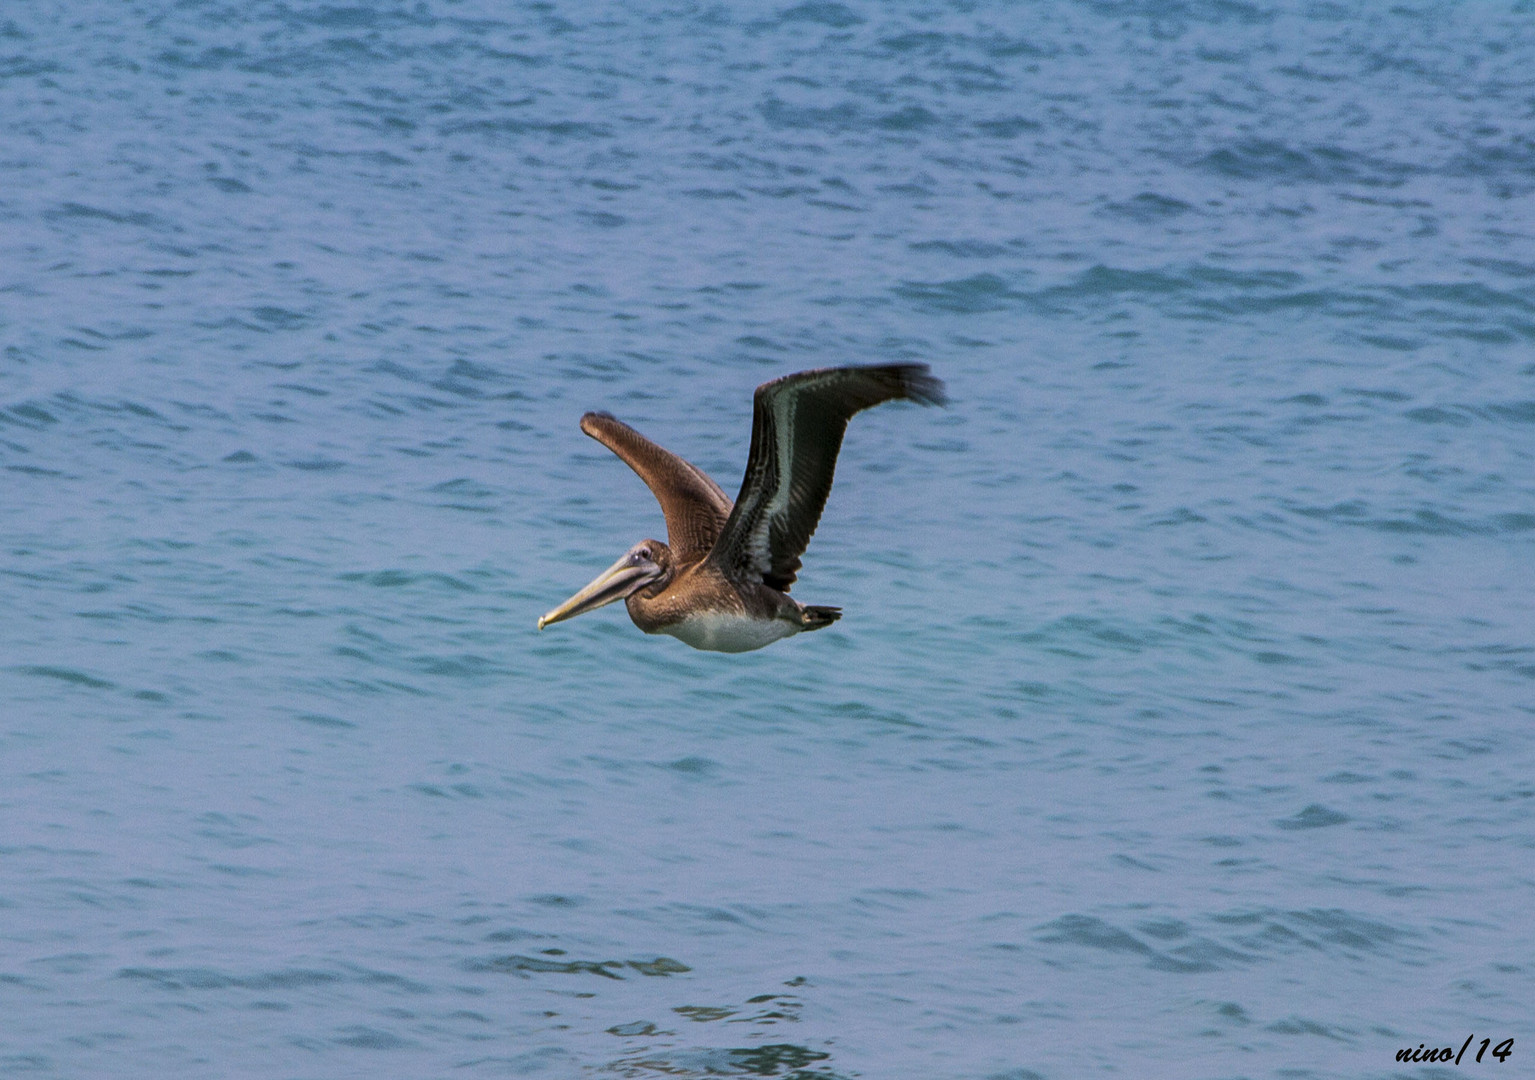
540 622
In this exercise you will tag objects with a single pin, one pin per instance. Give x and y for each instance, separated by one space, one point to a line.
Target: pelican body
722 584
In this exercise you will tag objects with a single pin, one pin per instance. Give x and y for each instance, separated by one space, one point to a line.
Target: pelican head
642 566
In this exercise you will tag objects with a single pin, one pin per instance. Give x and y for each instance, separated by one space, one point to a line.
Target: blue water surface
1179 722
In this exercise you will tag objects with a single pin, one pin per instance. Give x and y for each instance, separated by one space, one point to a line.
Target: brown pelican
723 581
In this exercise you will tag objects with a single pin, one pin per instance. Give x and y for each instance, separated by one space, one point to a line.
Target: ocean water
1179 722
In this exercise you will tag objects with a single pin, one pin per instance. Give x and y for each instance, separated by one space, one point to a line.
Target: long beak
614 583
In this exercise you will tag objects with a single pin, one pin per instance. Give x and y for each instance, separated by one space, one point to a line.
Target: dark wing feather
694 505
797 427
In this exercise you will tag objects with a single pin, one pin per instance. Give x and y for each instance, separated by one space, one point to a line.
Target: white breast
729 632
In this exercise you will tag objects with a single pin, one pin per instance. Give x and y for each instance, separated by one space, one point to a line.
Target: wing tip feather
905 381
919 384
592 421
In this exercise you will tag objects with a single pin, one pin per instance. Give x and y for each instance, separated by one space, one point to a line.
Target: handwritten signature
1447 1053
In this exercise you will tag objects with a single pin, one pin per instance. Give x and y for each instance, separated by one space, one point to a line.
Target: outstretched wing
694 505
797 427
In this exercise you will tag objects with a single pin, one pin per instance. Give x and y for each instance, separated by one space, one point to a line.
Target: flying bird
722 583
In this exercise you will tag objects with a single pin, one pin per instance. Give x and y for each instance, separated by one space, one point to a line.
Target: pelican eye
643 553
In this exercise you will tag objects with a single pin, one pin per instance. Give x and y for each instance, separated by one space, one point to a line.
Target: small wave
1453 301
321 720
272 317
1434 414
1204 11
638 1027
834 118
463 488
1007 127
769 1060
1515 412
1233 940
81 212
1507 166
203 978
965 296
1315 816
1262 159
210 979
558 129
911 118
602 219
323 56
1095 933
27 414
660 967
212 58
962 249
1511 412
825 12
1149 207
463 666
693 766
914 41
369 1038
21 67
67 675
1423 521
